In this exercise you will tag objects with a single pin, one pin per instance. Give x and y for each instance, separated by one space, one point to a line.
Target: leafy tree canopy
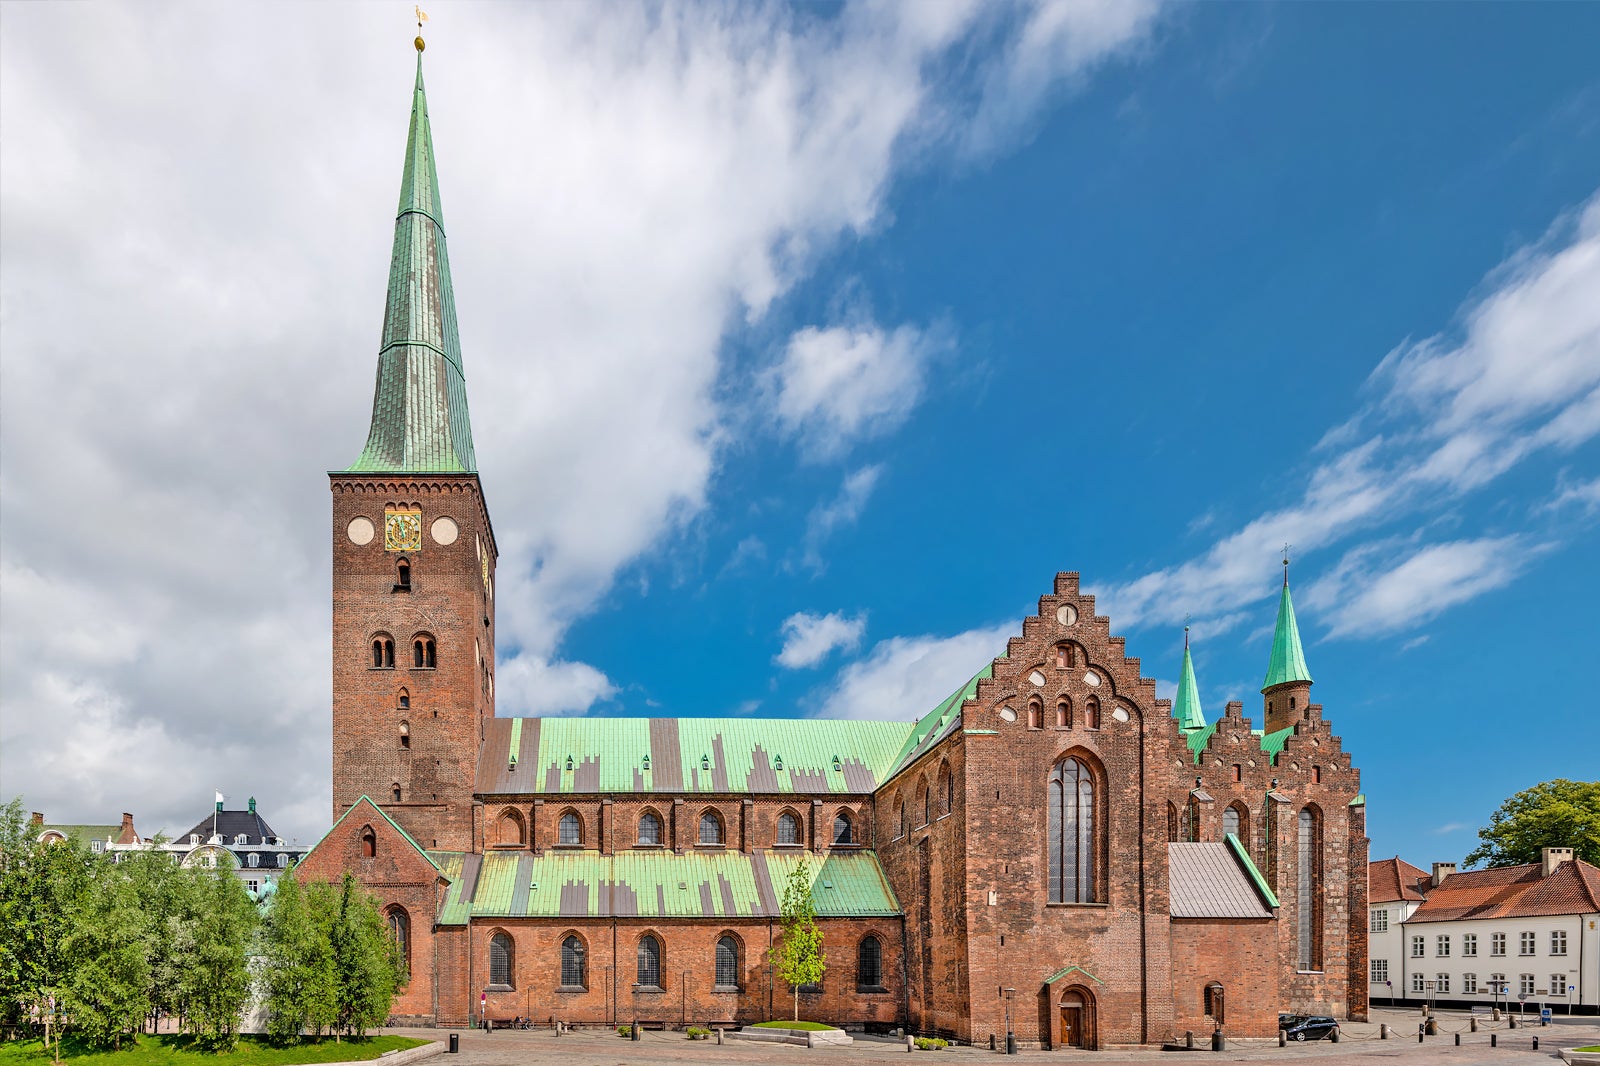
798 957
1555 814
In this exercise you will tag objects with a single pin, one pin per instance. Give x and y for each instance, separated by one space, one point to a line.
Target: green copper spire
1186 707
419 409
1288 661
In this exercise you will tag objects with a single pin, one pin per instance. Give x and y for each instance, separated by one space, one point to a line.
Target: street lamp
1011 1036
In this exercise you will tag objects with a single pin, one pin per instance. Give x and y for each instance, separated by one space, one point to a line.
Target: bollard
633 1030
455 1043
1458 1040
1011 1043
1383 1031
719 1036
1334 1036
1536 1043
1474 1020
1218 1041
1512 1018
1494 1039
1188 1039
1283 1041
991 1041
1433 1026
911 1043
1422 1027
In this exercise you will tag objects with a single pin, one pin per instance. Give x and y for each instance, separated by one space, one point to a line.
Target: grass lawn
1592 1047
757 1025
172 1050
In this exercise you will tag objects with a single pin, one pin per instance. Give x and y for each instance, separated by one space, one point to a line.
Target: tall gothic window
1072 833
569 830
788 829
400 930
1307 903
500 960
727 962
650 962
869 963
573 973
843 832
1230 821
649 829
710 828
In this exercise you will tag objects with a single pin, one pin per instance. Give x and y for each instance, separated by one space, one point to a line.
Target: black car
1304 1027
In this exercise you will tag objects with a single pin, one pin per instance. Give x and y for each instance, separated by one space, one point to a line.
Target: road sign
1522 996
1544 1014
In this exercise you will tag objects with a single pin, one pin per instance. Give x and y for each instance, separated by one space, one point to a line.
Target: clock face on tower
402 531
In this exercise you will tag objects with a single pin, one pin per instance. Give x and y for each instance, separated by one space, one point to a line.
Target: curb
397 1058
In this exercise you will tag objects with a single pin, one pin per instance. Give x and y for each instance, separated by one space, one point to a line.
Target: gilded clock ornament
402 531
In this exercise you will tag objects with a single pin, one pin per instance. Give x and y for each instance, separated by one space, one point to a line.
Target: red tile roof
1394 879
1514 892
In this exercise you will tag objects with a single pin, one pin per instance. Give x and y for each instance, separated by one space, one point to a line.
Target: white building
1523 936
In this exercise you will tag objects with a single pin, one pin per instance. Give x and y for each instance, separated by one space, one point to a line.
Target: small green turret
1287 688
1186 705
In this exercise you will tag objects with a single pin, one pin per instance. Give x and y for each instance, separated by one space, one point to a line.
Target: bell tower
413 550
1286 692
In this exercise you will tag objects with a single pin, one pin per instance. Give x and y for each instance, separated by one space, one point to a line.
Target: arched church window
400 930
574 974
710 828
424 654
369 842
650 829
1063 713
502 960
1230 821
843 831
1072 832
727 963
1091 713
649 971
1308 904
569 830
382 652
1035 713
869 964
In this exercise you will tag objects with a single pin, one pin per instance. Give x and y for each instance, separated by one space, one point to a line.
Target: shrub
697 1033
624 1030
931 1043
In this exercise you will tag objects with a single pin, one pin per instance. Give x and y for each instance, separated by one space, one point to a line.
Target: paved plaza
600 1047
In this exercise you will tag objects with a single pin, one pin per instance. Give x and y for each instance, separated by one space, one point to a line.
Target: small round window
1008 714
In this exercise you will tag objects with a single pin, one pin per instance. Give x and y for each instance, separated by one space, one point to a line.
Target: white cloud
904 678
841 511
1584 494
839 385
1370 593
1452 412
810 638
194 272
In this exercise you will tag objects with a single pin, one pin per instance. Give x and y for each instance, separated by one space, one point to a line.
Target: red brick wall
448 601
1239 954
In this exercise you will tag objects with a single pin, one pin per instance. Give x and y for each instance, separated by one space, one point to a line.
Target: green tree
366 959
167 892
43 889
210 952
297 960
1555 814
106 988
798 957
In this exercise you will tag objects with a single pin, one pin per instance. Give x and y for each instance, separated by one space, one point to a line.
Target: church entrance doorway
1077 1020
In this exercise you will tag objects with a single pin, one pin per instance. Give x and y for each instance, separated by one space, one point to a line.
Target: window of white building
1527 942
1469 945
1380 920
1558 942
1418 983
1525 984
1469 984
1418 945
1558 984
1443 983
1380 971
1444 946
1497 943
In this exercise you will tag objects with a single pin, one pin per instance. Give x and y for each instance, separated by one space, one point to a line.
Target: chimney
1551 858
252 805
1442 870
36 818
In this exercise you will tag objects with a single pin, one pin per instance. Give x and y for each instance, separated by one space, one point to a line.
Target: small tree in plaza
297 968
210 955
106 988
366 959
798 957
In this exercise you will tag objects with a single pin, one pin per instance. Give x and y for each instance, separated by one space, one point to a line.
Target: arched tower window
1091 713
1308 897
369 842
1063 713
927 805
649 962
569 830
788 828
502 960
424 653
404 700
383 652
727 969
650 829
869 964
394 790
1230 822
710 828
1236 820
574 964
1072 833
1065 659
1035 713
843 831
405 733
400 930
902 818
402 576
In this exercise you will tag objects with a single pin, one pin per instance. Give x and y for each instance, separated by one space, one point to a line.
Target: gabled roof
419 407
1395 880
658 884
1216 880
384 815
1513 892
229 824
82 833
1288 661
694 755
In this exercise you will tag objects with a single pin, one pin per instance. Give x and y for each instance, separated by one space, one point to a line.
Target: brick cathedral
1051 847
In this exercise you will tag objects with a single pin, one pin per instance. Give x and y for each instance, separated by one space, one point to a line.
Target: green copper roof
1269 897
1186 707
1288 657
658 884
419 408
1272 743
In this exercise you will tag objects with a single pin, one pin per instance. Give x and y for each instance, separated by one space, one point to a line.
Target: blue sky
804 346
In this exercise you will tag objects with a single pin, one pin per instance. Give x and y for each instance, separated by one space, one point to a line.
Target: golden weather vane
422 16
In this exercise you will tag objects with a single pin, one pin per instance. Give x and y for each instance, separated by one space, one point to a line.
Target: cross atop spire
419 408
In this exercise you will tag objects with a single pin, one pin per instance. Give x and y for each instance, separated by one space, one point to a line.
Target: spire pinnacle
1288 662
419 408
1186 705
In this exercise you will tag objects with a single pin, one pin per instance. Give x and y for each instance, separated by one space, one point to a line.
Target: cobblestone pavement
602 1047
